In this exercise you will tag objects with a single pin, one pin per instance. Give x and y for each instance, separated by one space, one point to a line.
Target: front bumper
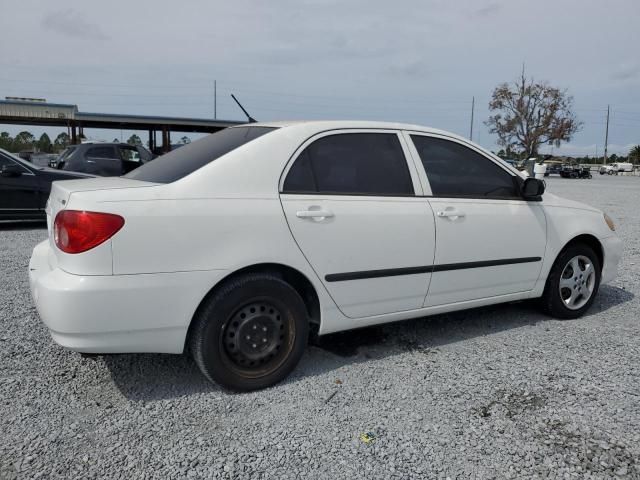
612 249
116 313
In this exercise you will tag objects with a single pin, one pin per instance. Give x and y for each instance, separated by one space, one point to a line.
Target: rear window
185 160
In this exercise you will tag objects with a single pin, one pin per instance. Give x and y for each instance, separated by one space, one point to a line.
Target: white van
614 168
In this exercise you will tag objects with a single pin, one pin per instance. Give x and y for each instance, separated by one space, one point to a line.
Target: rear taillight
76 231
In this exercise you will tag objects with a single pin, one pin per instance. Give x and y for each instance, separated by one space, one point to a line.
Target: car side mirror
11 170
532 188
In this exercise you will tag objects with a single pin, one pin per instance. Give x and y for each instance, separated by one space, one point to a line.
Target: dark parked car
24 188
104 159
575 171
553 169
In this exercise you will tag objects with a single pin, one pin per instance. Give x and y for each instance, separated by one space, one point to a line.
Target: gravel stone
496 392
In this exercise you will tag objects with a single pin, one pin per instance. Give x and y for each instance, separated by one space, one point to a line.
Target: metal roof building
42 113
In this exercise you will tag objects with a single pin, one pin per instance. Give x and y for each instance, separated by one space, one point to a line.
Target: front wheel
573 282
251 333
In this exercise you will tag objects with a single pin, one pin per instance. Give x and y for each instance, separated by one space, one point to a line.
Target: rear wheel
251 333
572 283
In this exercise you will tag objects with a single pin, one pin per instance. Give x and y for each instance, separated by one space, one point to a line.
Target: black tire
230 323
552 301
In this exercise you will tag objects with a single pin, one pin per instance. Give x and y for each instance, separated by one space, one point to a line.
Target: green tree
23 141
134 140
6 140
527 114
61 142
44 144
634 154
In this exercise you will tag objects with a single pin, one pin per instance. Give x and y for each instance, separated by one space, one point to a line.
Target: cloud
414 67
73 24
626 71
487 10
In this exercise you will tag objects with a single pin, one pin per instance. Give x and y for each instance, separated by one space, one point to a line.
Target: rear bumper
116 313
612 248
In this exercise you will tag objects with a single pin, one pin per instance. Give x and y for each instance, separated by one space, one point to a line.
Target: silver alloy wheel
577 282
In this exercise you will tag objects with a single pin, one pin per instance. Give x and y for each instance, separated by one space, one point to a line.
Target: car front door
350 201
19 190
489 240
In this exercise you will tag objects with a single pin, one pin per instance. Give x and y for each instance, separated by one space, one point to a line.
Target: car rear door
489 240
349 198
103 160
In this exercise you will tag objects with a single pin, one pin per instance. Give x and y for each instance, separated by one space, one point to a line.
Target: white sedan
238 245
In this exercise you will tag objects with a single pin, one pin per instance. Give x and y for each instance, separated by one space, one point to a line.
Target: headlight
609 222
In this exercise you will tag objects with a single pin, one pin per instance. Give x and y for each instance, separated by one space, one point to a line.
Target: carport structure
42 113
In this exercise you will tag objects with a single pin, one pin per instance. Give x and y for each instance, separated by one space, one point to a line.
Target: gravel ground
499 392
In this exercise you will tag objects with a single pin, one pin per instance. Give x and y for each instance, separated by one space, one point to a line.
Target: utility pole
215 100
473 103
606 137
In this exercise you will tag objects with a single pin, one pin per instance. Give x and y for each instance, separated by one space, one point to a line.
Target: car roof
108 144
339 124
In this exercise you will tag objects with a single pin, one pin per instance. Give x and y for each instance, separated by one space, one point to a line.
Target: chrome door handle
314 214
450 213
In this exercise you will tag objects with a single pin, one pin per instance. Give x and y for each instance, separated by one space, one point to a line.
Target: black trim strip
487 263
394 272
389 272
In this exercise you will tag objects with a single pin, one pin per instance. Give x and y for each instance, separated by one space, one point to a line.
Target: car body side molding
391 272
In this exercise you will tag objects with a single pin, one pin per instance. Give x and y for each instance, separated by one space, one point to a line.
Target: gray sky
410 61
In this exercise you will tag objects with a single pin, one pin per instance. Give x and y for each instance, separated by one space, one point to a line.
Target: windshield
68 151
185 160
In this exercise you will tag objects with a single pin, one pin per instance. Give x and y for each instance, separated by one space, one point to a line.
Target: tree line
26 141
632 157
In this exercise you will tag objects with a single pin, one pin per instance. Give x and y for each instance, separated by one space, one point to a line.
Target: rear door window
351 164
185 160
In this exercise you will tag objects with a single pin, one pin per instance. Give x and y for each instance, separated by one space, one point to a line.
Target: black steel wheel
256 338
250 333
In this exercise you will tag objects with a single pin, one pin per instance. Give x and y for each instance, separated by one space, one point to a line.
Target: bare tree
529 114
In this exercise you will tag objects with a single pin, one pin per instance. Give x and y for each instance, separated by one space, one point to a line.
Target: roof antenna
249 117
